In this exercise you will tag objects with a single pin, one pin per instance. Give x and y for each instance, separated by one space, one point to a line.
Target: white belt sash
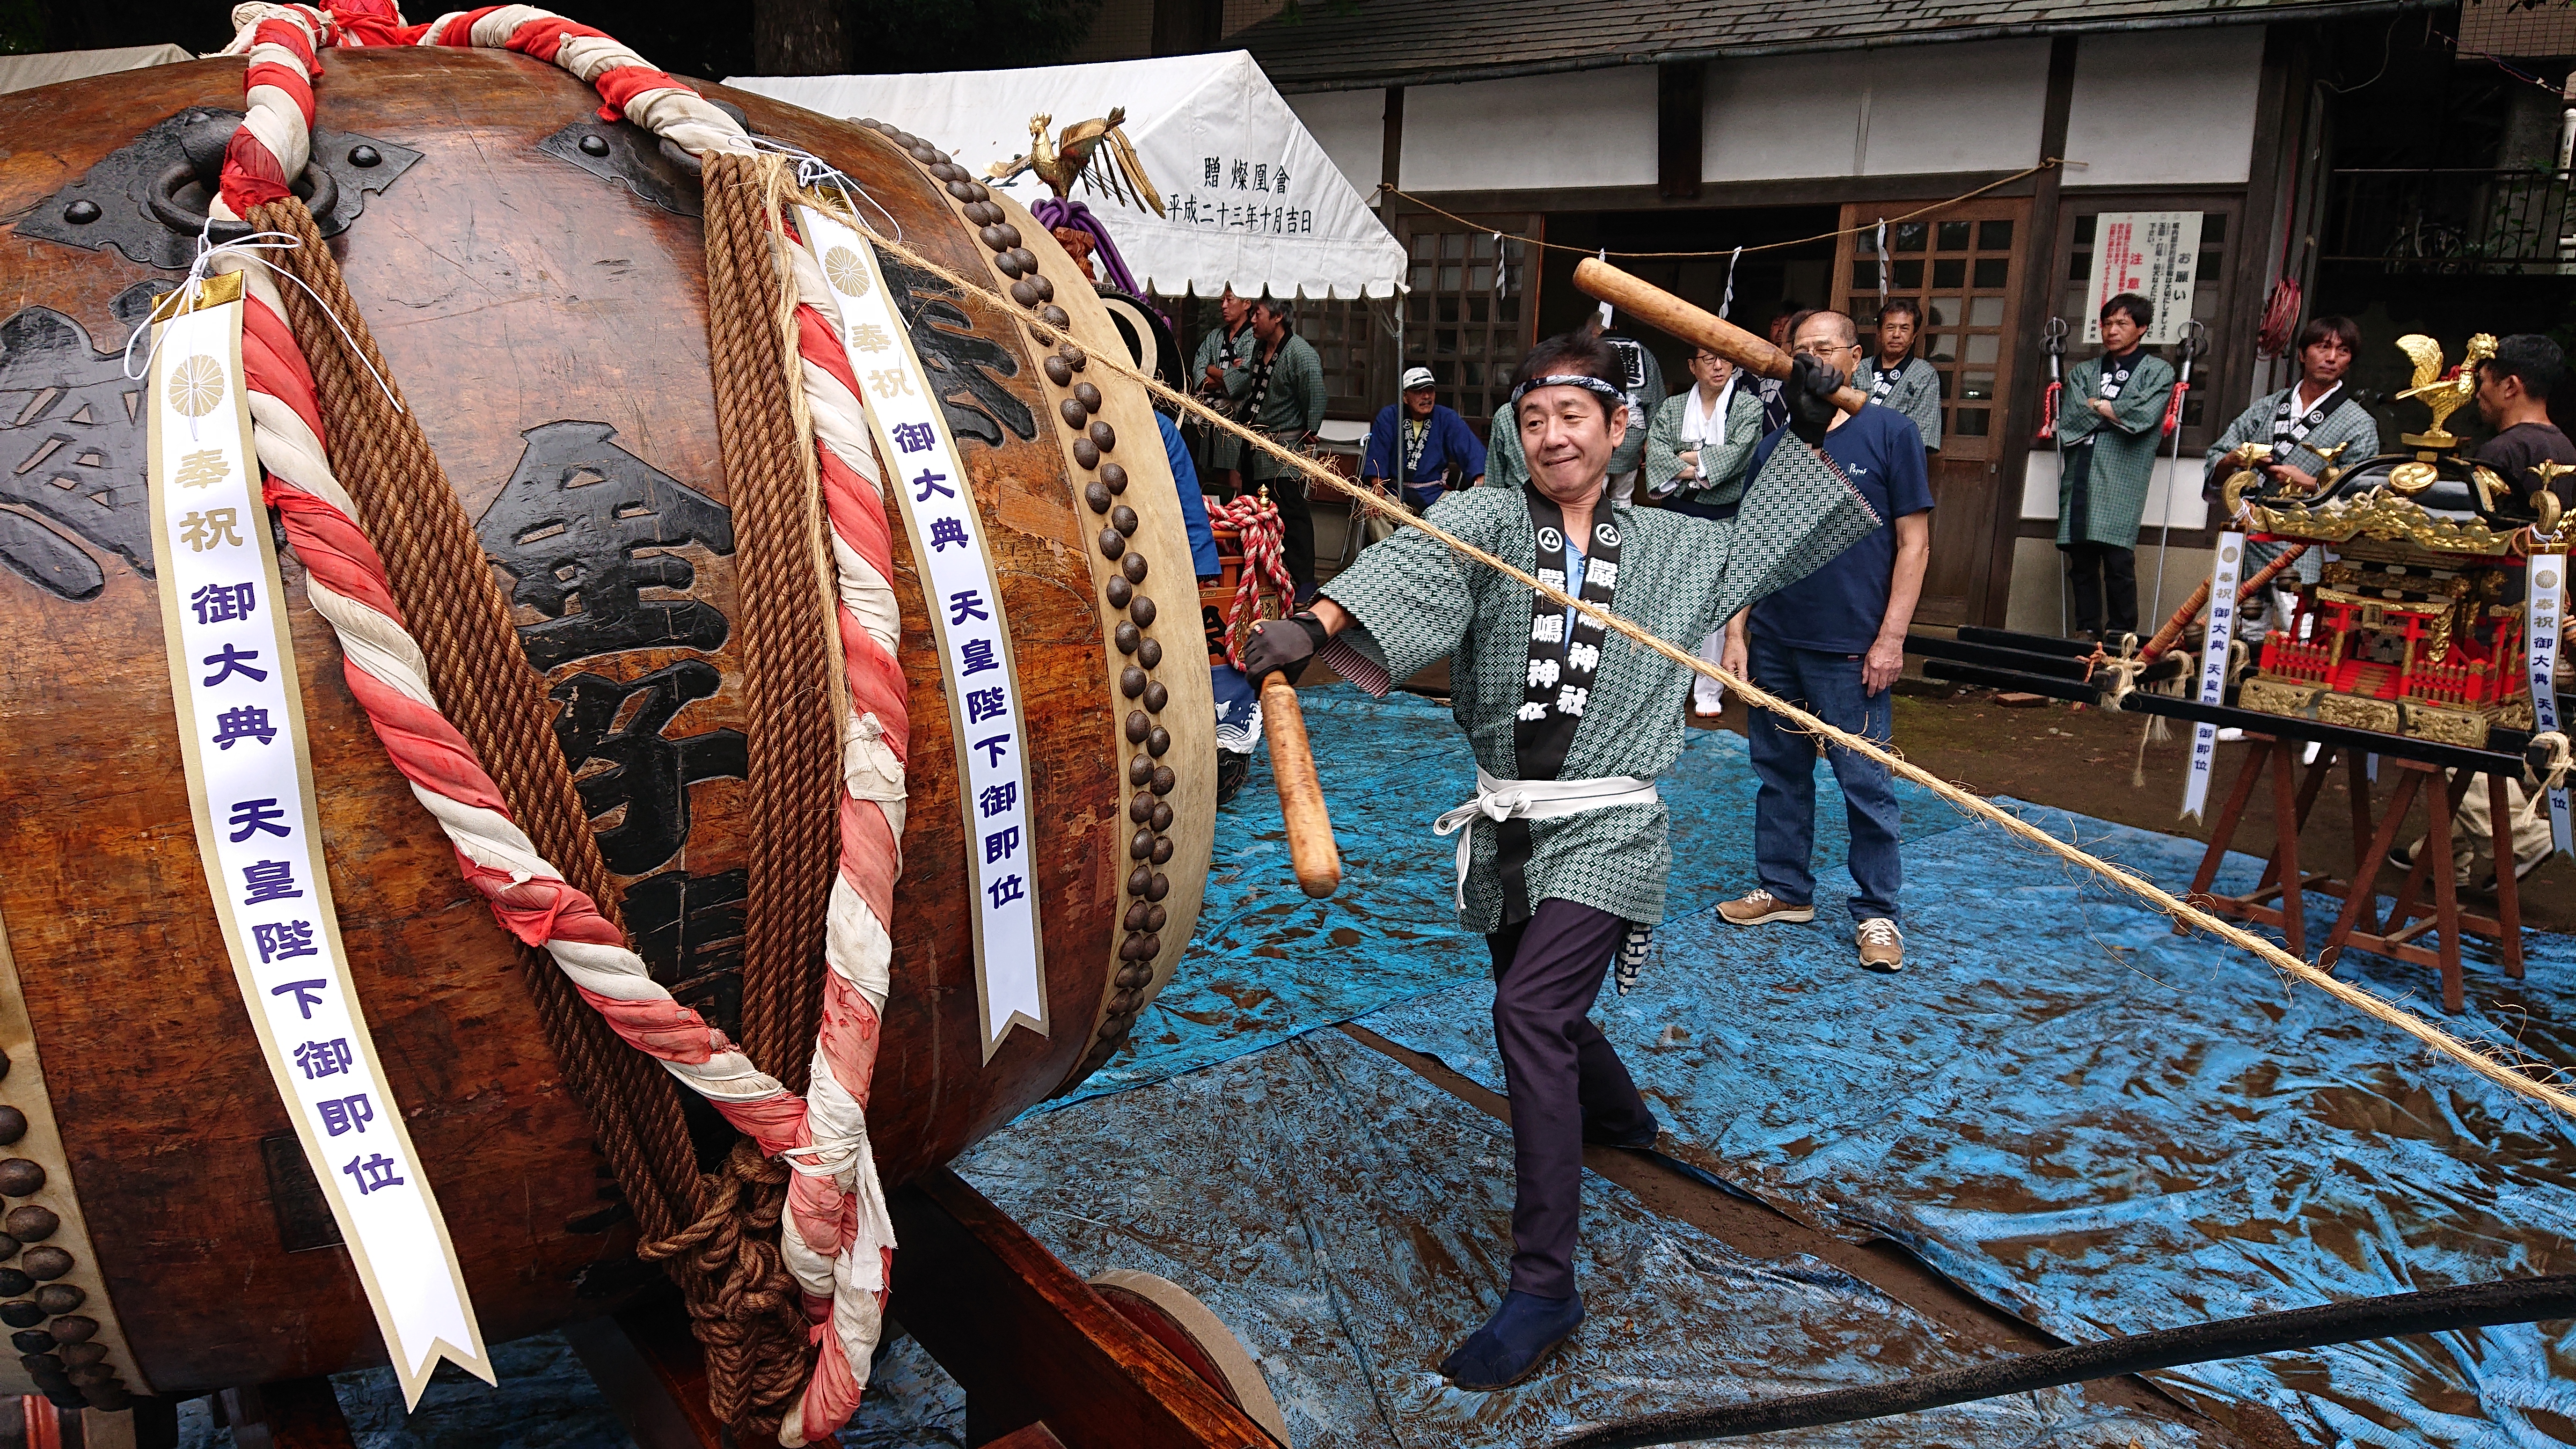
1500 800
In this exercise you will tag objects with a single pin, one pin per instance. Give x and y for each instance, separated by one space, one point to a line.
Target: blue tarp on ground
1268 963
2108 1128
1351 1223
545 1400
2059 1104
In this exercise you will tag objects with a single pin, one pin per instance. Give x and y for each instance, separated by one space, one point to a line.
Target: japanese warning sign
2152 253
927 479
250 785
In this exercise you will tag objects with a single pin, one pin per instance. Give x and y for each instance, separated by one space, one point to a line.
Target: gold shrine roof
2381 514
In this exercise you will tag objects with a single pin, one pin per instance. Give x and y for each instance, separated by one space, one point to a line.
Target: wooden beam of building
2038 284
1680 104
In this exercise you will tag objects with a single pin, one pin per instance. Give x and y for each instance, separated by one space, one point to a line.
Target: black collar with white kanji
1559 681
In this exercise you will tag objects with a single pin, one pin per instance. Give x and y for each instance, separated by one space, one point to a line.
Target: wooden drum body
548 325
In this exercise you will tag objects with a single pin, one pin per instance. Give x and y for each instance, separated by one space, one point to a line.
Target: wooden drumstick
1317 860
1662 310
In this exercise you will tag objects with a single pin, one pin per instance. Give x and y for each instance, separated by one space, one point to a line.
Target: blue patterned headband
1610 396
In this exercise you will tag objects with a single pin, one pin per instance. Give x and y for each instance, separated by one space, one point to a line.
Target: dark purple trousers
1562 1075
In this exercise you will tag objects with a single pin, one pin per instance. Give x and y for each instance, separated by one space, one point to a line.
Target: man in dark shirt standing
1834 642
2513 398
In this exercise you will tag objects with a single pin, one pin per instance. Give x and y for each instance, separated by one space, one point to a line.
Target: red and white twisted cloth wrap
840 1240
1264 536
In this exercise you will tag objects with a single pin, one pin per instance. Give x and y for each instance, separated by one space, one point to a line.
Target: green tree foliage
893 36
22 27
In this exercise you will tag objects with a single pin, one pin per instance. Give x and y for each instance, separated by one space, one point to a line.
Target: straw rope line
1871 225
2485 1063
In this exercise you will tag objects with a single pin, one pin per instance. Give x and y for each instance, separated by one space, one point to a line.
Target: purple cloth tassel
1054 212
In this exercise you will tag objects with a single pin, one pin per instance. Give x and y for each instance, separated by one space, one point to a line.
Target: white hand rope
2552 775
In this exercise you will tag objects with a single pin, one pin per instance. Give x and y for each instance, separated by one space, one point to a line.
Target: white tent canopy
1253 200
25 72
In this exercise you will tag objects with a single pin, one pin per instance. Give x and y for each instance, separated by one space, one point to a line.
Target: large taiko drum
535 278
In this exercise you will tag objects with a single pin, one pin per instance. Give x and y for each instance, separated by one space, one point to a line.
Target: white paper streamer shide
2213 668
928 480
250 784
2548 618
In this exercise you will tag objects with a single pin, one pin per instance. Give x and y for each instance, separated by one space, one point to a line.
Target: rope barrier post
2195 337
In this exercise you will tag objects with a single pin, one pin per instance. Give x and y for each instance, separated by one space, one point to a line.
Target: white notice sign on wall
2155 254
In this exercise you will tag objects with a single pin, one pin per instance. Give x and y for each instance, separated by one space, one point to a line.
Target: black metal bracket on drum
148 198
651 167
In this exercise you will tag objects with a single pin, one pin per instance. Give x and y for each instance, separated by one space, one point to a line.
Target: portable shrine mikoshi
2428 642
537 287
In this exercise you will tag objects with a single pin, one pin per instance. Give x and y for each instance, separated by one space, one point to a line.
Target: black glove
1810 395
1275 646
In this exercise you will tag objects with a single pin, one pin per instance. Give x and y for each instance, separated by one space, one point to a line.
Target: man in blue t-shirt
1833 643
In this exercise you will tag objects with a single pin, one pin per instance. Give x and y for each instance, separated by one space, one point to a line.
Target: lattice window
1353 338
1470 316
1959 267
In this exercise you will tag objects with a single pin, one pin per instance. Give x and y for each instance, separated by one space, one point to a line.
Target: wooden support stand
1033 1344
2278 899
297 1414
1046 1362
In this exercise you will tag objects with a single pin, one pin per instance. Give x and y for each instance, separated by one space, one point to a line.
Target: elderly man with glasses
1833 643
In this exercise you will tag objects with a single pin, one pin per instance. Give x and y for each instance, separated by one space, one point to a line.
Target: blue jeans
1784 813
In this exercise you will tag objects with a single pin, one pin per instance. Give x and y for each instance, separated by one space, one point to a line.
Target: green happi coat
1679 577
2349 422
1292 408
1225 450
1916 393
1721 466
2124 450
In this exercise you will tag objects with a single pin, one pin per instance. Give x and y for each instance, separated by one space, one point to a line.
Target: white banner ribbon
250 785
2213 669
2547 614
926 476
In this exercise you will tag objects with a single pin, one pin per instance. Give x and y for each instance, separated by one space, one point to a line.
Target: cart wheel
1199 1338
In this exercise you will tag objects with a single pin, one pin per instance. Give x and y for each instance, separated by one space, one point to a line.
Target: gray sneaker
1882 946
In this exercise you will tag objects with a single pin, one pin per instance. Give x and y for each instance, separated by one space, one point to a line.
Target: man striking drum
1562 854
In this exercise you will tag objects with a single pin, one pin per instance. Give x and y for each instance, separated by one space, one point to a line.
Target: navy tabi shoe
1638 1141
1514 1342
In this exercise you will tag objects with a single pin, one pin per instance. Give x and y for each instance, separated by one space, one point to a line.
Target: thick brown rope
2510 1073
788 637
443 584
740 1298
743 1305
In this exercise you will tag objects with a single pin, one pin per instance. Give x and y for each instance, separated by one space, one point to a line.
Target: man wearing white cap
1422 445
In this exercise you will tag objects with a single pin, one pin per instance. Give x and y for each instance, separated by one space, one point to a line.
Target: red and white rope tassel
842 1230
841 1241
1264 533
